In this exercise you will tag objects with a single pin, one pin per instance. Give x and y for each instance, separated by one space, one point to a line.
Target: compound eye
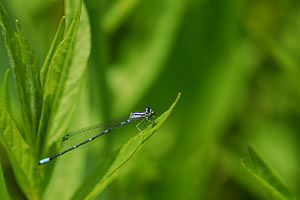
148 110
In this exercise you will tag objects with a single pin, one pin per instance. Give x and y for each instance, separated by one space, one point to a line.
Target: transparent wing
76 137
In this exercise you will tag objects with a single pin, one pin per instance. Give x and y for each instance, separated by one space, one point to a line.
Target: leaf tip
177 99
179 94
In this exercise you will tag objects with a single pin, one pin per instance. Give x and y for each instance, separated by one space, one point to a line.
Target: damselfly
83 136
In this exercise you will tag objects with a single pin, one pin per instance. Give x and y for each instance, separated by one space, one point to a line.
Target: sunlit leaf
73 82
21 156
104 175
71 93
63 80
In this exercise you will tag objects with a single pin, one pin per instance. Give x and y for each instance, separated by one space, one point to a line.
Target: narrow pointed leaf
68 101
28 84
25 73
57 39
17 141
263 173
57 84
74 78
104 175
6 30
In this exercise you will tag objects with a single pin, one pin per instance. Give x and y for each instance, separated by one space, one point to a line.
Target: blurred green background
237 65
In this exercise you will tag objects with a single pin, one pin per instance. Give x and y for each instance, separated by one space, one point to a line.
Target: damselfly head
149 111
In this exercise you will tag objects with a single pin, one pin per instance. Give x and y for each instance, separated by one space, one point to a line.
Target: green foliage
20 154
3 190
5 88
25 74
136 56
68 64
258 168
96 183
41 105
48 99
61 81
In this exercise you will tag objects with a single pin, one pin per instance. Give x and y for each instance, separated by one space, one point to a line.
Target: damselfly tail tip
43 161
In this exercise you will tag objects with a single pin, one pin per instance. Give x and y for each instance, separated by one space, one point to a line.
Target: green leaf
20 154
27 80
143 53
73 83
25 73
4 24
263 173
104 175
5 88
57 39
64 79
68 101
17 141
3 191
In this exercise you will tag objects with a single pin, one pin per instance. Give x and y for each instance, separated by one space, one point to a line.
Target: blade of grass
263 173
104 175
3 191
